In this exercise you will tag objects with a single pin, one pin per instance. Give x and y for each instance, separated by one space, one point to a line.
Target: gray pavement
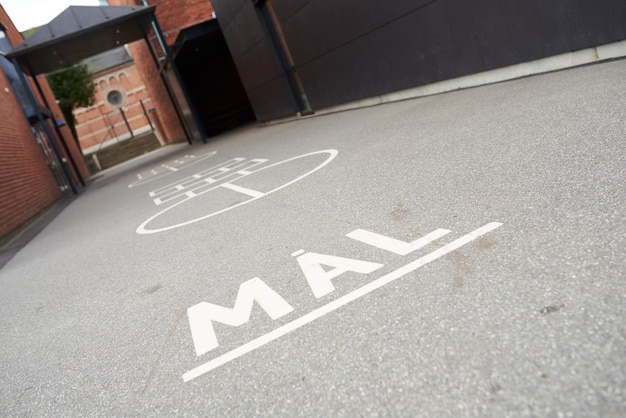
528 319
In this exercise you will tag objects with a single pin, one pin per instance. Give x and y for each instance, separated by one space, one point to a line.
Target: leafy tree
73 87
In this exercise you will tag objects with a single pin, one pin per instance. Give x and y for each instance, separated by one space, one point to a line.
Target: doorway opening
211 77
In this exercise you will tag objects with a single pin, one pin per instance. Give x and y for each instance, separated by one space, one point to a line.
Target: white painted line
393 245
255 162
224 169
141 229
198 182
167 188
243 190
338 303
190 194
297 253
162 173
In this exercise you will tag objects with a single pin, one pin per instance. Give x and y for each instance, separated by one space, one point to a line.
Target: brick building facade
31 175
173 16
119 88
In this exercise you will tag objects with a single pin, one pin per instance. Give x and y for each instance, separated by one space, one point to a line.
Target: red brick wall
164 109
27 185
172 15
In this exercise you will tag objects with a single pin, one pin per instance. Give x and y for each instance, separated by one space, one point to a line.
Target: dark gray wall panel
254 58
538 28
324 25
271 100
346 50
244 32
604 20
226 10
476 27
287 8
258 65
372 63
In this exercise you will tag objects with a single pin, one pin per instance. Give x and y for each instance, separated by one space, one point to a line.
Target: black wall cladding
346 50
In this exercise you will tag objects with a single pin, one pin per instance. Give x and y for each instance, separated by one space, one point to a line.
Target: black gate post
132 135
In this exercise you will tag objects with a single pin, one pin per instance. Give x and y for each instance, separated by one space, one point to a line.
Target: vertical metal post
111 128
58 131
145 112
132 135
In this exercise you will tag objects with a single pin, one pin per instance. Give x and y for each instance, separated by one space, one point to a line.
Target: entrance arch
83 31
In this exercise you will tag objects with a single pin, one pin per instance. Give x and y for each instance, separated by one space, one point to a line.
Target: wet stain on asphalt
399 212
549 309
152 289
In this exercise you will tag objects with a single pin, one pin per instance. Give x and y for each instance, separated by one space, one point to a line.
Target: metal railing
116 119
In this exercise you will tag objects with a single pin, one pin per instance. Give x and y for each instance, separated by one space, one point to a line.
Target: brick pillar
171 129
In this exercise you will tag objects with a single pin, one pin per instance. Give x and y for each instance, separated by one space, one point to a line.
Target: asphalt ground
517 308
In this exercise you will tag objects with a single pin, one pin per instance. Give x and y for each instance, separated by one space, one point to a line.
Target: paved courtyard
455 255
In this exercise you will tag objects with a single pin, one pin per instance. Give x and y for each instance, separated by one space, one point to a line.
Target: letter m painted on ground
202 315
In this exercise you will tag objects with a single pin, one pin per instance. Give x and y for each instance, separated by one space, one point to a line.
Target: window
115 98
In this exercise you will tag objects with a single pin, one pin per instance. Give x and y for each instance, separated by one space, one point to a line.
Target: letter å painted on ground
320 280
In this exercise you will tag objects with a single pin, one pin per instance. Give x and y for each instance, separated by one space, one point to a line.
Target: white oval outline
141 182
141 229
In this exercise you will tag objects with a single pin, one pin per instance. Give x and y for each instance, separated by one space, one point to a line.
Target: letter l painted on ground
393 245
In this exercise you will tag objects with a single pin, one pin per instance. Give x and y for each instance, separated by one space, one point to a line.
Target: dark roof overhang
81 32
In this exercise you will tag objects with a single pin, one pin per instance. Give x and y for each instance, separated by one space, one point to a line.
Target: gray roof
107 60
81 32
